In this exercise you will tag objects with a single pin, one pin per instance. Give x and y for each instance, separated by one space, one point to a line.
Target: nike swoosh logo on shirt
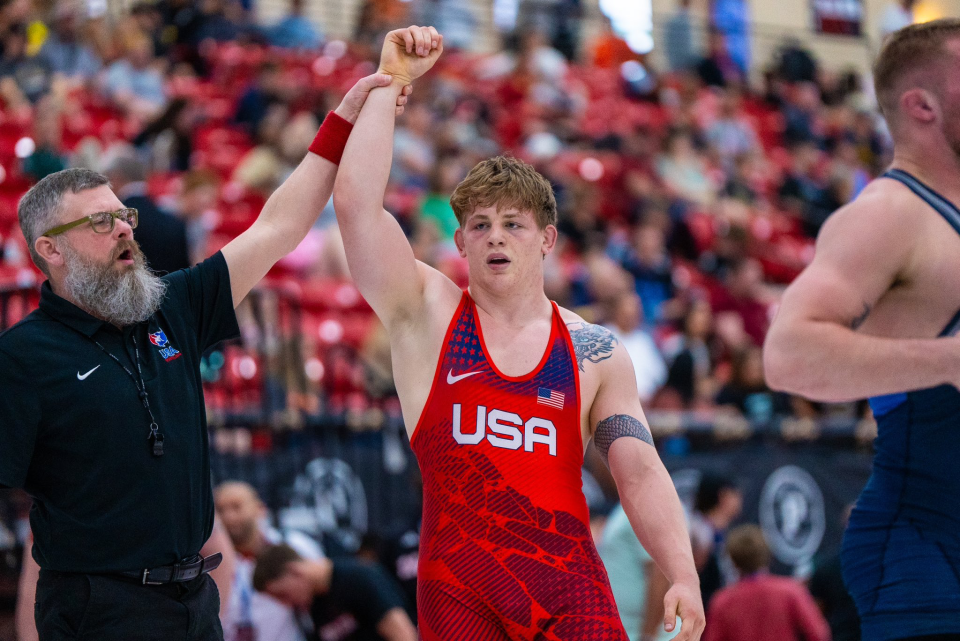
80 378
451 379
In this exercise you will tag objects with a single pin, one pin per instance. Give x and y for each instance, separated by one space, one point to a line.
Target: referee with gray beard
102 418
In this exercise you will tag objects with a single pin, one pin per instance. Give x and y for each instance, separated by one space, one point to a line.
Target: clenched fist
409 53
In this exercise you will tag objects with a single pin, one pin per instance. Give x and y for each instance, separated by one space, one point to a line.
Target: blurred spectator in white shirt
626 320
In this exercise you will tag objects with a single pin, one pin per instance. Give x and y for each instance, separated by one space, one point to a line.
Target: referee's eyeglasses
102 221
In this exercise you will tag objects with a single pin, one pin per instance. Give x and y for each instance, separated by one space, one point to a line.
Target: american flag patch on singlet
550 397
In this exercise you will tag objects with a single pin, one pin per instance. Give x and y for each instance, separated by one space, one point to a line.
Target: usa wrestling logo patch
167 351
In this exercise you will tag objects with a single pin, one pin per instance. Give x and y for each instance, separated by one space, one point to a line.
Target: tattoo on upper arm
858 321
591 342
613 427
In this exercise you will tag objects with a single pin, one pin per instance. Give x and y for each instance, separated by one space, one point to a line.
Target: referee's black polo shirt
74 434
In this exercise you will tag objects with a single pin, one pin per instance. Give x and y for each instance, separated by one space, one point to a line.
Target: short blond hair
913 47
505 182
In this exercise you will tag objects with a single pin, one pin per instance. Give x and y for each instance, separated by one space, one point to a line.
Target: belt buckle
146 575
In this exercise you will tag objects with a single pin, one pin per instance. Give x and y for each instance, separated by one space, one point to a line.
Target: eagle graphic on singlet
505 527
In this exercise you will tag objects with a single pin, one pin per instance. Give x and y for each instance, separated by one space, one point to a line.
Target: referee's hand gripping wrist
409 53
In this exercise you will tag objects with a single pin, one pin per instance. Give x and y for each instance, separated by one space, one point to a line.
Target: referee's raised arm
293 208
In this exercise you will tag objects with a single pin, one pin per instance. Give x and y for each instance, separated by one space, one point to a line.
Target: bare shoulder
423 314
591 343
886 211
440 294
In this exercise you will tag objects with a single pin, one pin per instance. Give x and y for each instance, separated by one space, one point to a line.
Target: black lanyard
155 437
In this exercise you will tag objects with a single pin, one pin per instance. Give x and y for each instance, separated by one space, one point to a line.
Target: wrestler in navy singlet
901 551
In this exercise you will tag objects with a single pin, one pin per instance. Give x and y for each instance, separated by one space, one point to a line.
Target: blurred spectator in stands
717 68
802 109
64 49
446 174
830 593
348 600
413 151
731 135
161 236
650 264
678 41
689 355
796 64
252 615
378 17
135 82
741 179
683 169
555 20
761 606
180 19
168 139
146 17
608 50
20 12
267 89
23 79
455 19
540 59
48 156
626 324
638 584
717 505
896 15
196 206
222 21
746 296
732 19
847 177
802 192
747 393
295 31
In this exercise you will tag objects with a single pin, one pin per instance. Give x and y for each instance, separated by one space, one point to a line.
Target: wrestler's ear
920 105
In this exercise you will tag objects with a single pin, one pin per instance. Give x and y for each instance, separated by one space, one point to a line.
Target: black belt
187 570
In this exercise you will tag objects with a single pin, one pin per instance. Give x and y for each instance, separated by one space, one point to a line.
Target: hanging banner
838 17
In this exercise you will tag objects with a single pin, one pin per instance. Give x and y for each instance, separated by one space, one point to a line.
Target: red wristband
332 138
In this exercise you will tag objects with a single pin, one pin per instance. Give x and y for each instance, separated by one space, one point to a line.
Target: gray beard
121 298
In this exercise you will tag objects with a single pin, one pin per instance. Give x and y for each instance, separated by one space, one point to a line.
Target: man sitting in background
348 600
252 616
762 606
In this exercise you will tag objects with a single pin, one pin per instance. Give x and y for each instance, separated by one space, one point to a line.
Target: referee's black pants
99 607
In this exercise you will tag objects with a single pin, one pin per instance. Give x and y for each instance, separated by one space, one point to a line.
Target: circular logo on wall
328 500
792 514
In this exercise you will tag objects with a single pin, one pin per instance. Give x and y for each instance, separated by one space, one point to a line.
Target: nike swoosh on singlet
451 379
80 378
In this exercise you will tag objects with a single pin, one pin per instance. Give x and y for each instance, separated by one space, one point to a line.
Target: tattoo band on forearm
591 342
613 427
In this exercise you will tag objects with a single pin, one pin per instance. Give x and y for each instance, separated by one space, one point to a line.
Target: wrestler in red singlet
506 550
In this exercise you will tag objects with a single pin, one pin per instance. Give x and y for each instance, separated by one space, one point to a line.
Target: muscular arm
380 258
293 208
646 490
813 348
